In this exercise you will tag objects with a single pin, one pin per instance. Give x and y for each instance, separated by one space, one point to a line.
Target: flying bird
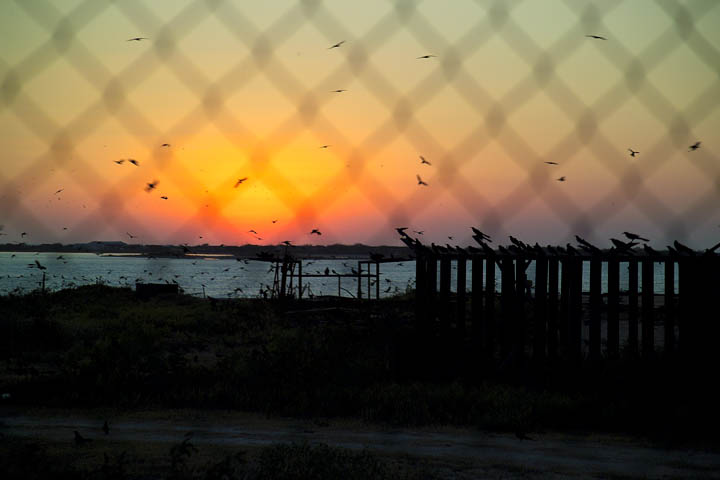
164 197
131 235
632 152
420 181
561 179
326 146
633 237
337 45
119 162
552 163
59 191
596 37
134 162
423 161
426 56
339 90
419 232
315 231
151 186
137 39
694 146
240 180
165 145
23 234
274 221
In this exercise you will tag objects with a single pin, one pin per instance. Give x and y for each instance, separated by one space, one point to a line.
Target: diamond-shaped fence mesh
243 89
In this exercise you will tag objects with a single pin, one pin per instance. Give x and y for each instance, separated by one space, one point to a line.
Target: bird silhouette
683 248
483 237
80 440
165 145
339 90
325 146
632 152
622 246
134 162
252 231
401 231
596 37
425 56
315 231
337 45
420 181
287 243
131 235
40 266
561 179
164 197
23 234
137 39
274 221
423 161
240 181
58 191
633 237
151 186
119 162
694 146
419 232
552 163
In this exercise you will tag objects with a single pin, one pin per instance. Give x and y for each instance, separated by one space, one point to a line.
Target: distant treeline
245 251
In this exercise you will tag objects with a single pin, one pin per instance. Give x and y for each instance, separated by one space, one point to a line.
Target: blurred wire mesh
534 71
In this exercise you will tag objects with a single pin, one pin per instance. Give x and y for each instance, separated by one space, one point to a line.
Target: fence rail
556 319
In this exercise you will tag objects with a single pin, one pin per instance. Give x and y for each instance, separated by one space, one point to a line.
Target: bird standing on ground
420 181
240 181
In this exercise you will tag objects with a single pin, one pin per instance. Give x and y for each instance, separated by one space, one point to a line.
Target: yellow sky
244 89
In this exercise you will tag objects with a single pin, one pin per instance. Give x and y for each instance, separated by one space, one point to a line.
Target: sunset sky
245 89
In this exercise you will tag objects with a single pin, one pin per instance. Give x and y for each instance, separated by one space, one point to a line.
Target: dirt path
548 455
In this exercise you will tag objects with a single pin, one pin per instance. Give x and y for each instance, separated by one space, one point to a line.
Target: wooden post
669 306
539 322
613 319
648 311
507 303
339 287
595 306
359 280
488 333
461 285
445 268
553 302
377 280
633 306
565 280
283 278
300 286
476 302
519 321
420 290
432 288
575 310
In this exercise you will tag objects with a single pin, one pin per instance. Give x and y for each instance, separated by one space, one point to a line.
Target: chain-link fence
248 90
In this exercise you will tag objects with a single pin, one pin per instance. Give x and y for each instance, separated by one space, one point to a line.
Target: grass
98 346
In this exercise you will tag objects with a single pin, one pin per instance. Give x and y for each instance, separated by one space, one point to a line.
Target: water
224 277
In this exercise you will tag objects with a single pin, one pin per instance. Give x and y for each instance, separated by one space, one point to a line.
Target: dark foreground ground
351 375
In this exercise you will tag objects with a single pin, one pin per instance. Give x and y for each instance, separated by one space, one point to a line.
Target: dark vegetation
98 346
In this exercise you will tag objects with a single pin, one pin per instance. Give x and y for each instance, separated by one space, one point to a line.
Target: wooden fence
556 318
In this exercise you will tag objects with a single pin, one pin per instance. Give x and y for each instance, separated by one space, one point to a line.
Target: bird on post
683 248
586 245
635 237
401 231
622 246
649 250
482 237
521 245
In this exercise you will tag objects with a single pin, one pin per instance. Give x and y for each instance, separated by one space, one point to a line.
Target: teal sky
243 89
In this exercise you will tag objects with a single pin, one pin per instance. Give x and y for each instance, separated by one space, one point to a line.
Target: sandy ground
460 453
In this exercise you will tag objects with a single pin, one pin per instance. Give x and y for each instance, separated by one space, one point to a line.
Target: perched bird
622 246
151 186
683 248
240 181
552 163
586 245
137 39
561 179
596 37
80 440
134 162
337 45
632 152
649 250
119 162
420 181
106 427
423 161
164 197
339 90
483 237
287 243
401 231
694 146
426 56
315 231
633 237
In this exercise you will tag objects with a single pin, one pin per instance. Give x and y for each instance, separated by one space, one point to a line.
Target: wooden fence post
613 318
477 300
489 335
553 303
595 305
539 322
460 289
445 267
669 307
648 307
632 306
575 310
